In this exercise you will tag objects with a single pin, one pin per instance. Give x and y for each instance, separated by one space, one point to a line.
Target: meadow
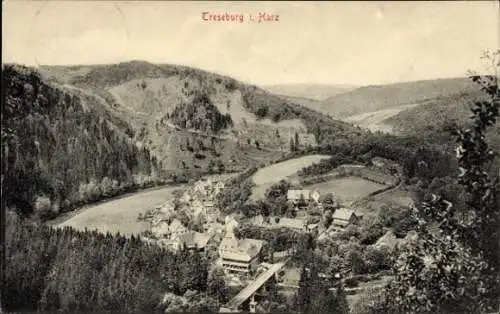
347 189
120 215
267 176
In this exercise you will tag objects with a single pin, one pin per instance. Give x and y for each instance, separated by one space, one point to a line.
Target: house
290 277
170 230
259 220
240 255
388 240
194 240
230 223
391 242
290 223
295 224
186 198
343 217
315 196
209 204
295 196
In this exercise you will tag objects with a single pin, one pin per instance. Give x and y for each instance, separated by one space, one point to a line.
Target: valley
342 159
263 190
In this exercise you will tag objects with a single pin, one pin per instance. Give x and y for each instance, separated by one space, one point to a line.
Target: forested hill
192 119
378 97
75 134
61 147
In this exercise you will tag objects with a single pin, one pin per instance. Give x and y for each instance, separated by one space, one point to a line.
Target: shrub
43 207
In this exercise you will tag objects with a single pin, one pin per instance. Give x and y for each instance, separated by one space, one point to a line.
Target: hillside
307 102
192 120
310 91
436 118
373 98
376 120
62 148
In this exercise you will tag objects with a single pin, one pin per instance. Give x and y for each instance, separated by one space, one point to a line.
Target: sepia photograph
338 157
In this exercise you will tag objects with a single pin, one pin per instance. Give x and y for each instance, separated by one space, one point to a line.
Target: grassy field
394 198
265 177
346 189
120 215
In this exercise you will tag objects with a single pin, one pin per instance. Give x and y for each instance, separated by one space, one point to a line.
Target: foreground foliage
454 265
67 270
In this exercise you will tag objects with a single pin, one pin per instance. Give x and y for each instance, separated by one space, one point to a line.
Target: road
119 215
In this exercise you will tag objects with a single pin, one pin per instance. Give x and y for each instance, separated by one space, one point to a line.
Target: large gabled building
240 255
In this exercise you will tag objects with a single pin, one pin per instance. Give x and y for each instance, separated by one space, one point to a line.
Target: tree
355 261
327 218
296 143
292 145
329 201
455 269
216 285
315 296
262 111
304 294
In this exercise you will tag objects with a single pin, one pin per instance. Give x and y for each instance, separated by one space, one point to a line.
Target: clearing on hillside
266 176
396 197
375 120
120 215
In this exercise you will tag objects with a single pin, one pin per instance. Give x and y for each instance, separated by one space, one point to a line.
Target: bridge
253 287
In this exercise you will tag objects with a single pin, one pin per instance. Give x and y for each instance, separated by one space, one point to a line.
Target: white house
343 217
315 196
296 195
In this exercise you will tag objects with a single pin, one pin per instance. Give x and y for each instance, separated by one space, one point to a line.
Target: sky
354 43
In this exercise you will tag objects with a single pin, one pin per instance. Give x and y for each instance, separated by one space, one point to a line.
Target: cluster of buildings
295 224
236 256
303 197
197 201
174 235
342 217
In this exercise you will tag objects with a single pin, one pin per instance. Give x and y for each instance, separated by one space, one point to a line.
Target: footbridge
252 288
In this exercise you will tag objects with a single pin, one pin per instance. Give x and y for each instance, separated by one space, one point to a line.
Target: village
192 221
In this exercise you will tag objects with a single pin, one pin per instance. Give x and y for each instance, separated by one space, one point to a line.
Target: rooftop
297 194
197 239
292 223
343 214
388 240
243 249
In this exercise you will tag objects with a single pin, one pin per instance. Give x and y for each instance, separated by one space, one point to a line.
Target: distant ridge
310 91
378 97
